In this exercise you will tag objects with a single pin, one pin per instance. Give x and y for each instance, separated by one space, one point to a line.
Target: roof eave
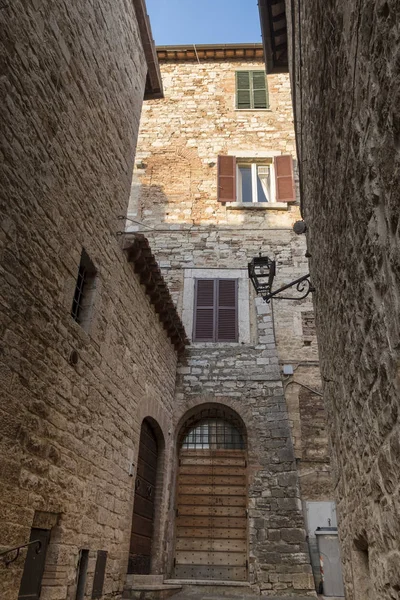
210 52
267 32
145 265
154 88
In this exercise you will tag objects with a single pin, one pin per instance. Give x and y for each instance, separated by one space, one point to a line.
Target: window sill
253 110
214 344
257 205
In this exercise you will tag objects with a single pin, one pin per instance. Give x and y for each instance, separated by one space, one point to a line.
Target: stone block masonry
174 195
349 126
72 401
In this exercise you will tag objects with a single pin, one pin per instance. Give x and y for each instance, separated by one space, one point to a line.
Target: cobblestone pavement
187 595
193 593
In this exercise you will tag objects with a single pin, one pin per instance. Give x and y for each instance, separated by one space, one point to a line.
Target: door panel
211 572
143 509
31 581
215 533
212 501
219 545
211 524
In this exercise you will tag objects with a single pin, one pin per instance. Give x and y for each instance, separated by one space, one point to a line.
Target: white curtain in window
263 184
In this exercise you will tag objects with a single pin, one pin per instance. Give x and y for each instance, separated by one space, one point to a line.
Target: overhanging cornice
274 34
204 52
145 265
154 87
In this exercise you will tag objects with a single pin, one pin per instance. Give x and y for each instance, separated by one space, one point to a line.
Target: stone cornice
145 265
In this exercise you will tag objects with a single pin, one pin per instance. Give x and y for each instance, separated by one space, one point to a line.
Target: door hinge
176 512
247 564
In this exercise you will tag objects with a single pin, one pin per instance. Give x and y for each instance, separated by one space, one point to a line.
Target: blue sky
204 21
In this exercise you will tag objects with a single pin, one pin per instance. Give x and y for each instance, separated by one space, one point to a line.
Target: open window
256 181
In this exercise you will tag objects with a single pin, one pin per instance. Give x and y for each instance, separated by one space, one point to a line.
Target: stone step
134 579
155 591
197 589
211 589
209 582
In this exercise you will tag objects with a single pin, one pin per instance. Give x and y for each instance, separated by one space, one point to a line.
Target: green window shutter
251 90
259 89
243 90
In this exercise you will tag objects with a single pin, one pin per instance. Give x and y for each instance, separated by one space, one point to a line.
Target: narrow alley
200 260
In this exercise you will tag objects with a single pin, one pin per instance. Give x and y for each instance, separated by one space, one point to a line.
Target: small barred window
85 287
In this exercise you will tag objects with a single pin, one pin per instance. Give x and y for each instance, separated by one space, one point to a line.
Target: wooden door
143 508
31 582
211 532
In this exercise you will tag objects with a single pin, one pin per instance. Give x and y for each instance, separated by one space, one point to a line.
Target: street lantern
262 272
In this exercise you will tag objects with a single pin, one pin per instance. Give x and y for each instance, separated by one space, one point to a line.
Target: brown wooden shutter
227 317
226 179
204 311
284 179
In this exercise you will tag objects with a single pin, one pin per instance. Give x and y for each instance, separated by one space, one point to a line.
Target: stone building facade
196 239
75 391
344 71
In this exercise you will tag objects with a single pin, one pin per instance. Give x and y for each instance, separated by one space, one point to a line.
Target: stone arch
244 414
210 410
150 408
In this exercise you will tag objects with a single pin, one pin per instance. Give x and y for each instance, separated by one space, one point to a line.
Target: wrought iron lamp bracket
303 287
262 273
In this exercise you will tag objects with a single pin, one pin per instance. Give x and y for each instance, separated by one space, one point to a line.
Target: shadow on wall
174 186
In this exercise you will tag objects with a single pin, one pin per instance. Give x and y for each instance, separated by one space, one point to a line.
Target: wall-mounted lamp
262 272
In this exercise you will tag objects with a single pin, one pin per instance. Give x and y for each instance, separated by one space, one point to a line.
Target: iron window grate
211 434
85 288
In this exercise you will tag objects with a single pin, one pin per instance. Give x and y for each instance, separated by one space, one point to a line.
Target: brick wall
73 81
350 137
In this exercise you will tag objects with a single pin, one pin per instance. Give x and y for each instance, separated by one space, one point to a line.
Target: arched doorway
143 507
211 522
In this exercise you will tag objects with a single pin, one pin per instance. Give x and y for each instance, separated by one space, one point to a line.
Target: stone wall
73 77
174 196
350 139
